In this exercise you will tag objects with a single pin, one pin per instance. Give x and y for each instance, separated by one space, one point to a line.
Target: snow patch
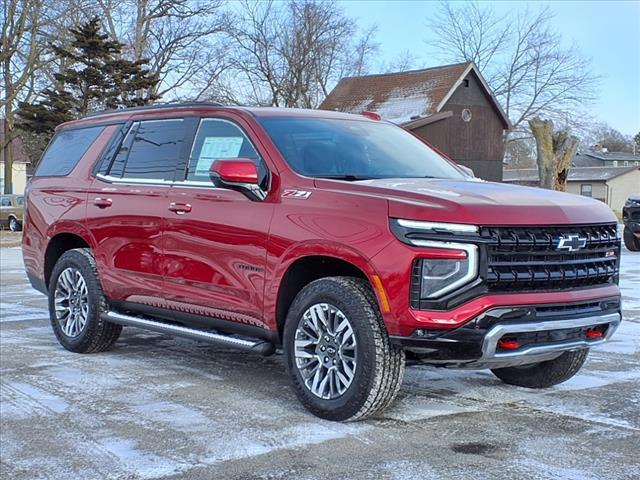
403 104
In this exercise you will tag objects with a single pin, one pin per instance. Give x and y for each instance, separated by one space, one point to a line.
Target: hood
481 203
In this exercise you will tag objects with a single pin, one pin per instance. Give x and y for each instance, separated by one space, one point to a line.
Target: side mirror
239 174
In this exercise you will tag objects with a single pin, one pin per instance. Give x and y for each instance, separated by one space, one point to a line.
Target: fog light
508 344
593 333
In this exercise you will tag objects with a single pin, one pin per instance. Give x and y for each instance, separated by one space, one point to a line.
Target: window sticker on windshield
214 148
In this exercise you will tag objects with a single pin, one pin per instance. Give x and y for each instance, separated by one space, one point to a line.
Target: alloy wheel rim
325 351
71 302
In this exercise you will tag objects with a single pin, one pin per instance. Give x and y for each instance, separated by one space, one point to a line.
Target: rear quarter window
65 151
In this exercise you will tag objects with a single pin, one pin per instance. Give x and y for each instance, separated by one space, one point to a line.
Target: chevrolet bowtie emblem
571 242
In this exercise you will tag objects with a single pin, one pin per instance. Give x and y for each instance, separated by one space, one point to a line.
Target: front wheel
630 241
338 352
544 374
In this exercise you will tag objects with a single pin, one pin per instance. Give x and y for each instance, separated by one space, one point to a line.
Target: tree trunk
555 152
543 132
7 146
7 155
565 146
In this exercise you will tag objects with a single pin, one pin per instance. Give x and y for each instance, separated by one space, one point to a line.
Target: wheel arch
59 243
309 265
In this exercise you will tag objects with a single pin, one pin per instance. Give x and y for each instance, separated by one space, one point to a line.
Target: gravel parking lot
159 407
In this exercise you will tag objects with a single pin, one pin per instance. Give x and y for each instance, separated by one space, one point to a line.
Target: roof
19 151
169 109
401 97
583 160
609 156
579 174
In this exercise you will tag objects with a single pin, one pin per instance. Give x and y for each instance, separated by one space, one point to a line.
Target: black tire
630 241
544 374
380 365
14 224
96 335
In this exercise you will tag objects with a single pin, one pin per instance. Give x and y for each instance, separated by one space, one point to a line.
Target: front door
215 238
126 209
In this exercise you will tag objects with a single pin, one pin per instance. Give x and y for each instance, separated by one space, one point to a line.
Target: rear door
126 209
215 238
5 209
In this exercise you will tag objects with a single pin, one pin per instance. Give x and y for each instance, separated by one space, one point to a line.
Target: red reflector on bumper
508 344
591 333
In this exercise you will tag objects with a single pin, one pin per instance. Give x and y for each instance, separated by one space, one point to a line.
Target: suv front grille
528 258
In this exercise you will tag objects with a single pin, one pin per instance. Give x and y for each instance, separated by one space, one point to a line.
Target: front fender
319 248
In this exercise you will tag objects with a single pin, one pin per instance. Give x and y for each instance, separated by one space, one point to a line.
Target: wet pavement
159 407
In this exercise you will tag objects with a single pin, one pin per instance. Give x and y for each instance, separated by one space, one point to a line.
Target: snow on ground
159 407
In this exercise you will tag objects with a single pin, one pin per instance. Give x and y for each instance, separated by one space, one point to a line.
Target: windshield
355 150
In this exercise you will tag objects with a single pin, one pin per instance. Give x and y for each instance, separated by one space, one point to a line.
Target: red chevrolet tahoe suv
341 239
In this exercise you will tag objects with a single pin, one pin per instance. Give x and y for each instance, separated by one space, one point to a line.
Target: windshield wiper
348 178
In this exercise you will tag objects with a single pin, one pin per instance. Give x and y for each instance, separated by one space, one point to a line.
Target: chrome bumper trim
490 343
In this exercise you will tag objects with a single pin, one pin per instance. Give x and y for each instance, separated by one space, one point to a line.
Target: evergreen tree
97 78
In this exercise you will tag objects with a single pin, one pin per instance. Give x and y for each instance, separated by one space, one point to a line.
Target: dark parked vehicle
631 219
11 211
341 239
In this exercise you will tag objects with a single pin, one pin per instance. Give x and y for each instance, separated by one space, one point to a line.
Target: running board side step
256 346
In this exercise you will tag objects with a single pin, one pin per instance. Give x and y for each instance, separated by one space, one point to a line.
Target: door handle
102 202
179 208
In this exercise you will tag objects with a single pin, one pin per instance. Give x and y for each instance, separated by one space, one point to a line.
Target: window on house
615 163
626 163
466 82
586 190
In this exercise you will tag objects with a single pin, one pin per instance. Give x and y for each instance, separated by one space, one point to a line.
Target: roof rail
154 107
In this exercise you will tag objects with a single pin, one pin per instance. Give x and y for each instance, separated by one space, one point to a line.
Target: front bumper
539 336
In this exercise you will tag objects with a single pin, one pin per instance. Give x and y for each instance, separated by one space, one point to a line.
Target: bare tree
20 58
555 150
404 61
470 32
291 54
180 38
606 137
521 57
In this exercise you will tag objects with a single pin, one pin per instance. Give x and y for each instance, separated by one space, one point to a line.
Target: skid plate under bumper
511 343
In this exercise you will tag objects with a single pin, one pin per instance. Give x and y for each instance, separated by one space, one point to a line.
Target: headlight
437 226
445 267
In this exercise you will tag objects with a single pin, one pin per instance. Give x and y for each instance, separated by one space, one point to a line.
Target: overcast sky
606 31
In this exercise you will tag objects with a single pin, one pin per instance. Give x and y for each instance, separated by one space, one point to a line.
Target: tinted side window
117 165
65 151
5 202
20 200
218 139
151 150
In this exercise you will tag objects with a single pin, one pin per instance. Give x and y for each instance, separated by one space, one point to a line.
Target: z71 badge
296 194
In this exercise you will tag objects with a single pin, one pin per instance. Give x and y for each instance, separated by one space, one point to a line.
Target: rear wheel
544 374
14 224
76 302
338 352
630 241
